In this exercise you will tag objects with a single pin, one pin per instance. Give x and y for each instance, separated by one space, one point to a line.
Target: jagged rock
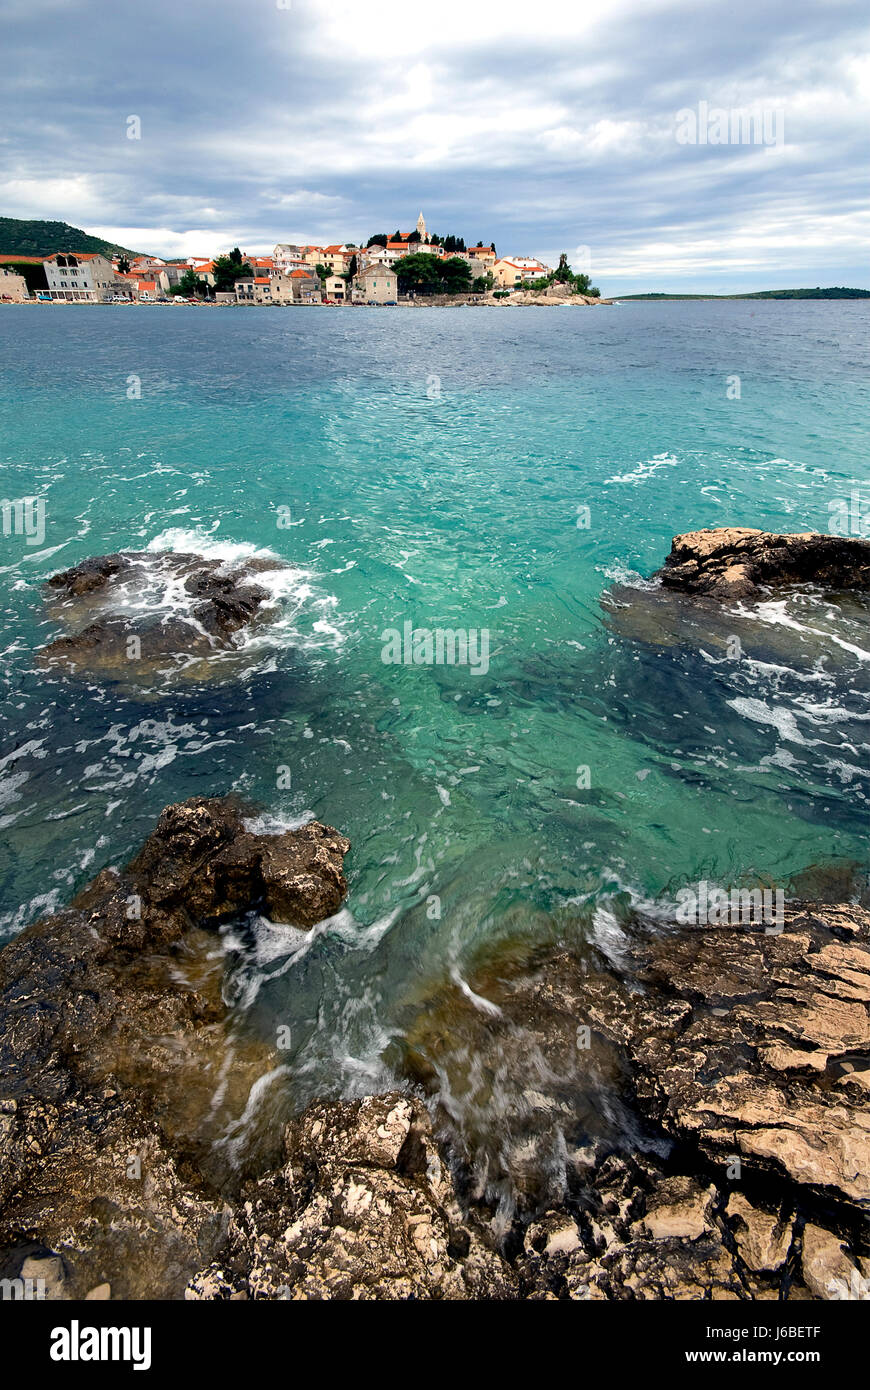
679 1208
763 1240
47 1274
362 1209
721 1082
734 1045
730 1056
734 562
109 1058
828 1271
126 621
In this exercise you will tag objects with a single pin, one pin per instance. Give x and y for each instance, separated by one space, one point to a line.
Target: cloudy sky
545 127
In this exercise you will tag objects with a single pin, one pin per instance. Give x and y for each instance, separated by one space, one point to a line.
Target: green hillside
34 238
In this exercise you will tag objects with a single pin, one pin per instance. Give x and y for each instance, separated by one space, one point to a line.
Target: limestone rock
108 1062
362 1209
827 1269
734 562
679 1207
762 1239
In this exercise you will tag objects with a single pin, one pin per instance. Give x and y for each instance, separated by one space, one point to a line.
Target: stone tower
421 227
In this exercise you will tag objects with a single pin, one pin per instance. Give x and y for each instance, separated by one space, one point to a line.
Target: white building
335 288
81 275
287 257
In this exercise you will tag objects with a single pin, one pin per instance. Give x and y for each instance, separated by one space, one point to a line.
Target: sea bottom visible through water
603 751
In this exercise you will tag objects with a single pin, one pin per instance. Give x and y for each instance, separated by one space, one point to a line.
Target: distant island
834 292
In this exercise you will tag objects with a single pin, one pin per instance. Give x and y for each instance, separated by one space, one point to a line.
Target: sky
543 127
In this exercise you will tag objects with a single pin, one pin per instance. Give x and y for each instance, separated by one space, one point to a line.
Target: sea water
490 470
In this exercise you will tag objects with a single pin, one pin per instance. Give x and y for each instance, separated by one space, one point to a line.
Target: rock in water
746 1053
738 1171
733 562
135 616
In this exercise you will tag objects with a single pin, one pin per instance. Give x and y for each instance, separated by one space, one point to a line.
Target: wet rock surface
740 1060
363 1208
695 1099
112 1037
136 615
738 562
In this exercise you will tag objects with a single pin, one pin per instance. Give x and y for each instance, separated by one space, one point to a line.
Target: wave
304 616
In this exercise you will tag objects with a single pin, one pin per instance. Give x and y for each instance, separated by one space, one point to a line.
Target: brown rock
762 1239
828 1271
735 562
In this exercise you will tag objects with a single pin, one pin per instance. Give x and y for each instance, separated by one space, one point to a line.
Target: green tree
419 273
352 268
456 276
379 239
123 266
188 285
227 270
423 273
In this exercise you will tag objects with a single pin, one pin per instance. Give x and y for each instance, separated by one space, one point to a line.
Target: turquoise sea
436 464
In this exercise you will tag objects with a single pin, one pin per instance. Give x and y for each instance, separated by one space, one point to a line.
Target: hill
835 292
35 238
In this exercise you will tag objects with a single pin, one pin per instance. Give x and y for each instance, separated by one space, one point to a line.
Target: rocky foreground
744 1057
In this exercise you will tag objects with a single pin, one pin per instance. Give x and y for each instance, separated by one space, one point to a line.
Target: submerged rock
733 562
137 615
739 1061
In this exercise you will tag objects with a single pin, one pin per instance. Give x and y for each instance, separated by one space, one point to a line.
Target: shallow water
435 465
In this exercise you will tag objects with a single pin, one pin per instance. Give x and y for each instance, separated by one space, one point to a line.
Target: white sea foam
777 716
643 470
303 615
630 579
775 613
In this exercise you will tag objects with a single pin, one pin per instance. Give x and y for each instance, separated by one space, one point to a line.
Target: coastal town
405 267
